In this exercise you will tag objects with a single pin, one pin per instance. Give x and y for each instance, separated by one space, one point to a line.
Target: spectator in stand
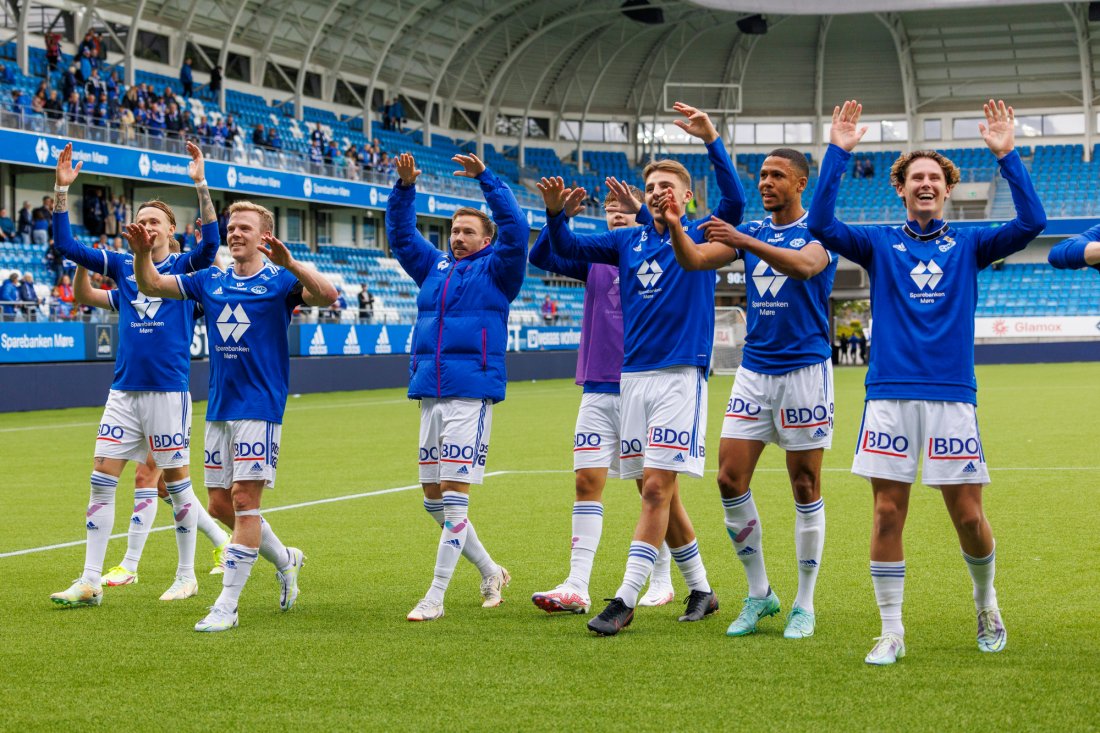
398 112
187 78
215 85
223 223
69 81
126 123
9 296
221 134
102 112
387 115
317 136
273 140
232 130
857 169
94 85
366 304
204 133
114 91
54 262
74 108
85 71
868 168
99 50
331 152
42 218
316 157
548 310
95 215
38 104
351 162
110 226
55 110
7 226
53 50
21 103
131 97
28 296
6 77
186 238
141 118
258 137
154 122
102 243
26 222
61 298
385 165
117 245
173 121
120 212
187 125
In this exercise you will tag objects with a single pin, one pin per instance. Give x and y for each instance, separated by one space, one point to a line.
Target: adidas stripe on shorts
896 434
136 424
241 450
664 421
596 438
792 410
454 439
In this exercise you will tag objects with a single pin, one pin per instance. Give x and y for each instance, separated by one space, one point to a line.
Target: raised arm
690 254
149 281
591 248
731 205
509 258
1077 252
834 234
416 255
542 254
64 176
1000 135
800 264
316 289
85 294
204 256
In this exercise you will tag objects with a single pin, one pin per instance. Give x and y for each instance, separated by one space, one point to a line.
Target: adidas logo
767 280
136 520
317 345
219 291
746 551
808 563
256 467
820 433
970 468
351 343
382 345
453 543
91 525
182 530
679 458
230 564
232 322
462 471
178 456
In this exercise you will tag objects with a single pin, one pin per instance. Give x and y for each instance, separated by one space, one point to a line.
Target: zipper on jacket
484 356
439 341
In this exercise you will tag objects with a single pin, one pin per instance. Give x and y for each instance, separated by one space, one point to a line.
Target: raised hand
196 169
553 194
669 207
720 231
627 202
845 131
139 238
697 124
275 250
999 131
574 201
406 169
65 173
472 167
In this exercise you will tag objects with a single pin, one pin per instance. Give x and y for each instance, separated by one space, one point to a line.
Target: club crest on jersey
442 265
948 243
797 243
767 281
258 289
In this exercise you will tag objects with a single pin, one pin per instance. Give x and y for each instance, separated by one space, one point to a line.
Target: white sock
639 565
982 570
99 521
238 566
809 539
662 569
272 549
473 550
167 500
451 539
889 581
209 526
184 503
145 513
587 528
743 527
691 566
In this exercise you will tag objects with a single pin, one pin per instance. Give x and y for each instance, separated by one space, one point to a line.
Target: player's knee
144 476
889 517
589 487
805 486
656 493
220 507
244 501
969 520
732 482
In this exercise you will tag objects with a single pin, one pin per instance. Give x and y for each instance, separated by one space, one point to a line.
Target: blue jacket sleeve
416 254
997 243
844 239
542 256
87 257
200 259
643 217
731 206
587 248
509 258
1069 254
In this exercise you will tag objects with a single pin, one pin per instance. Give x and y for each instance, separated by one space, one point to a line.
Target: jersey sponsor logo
351 343
926 276
586 442
806 417
669 438
244 451
649 273
232 323
429 456
317 346
145 306
169 441
630 448
767 280
464 454
257 289
110 433
742 409
212 459
885 444
955 449
382 345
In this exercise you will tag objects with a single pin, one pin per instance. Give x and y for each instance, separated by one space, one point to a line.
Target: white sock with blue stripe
743 527
239 561
99 520
662 569
145 513
456 506
889 581
473 550
587 528
184 503
691 566
982 570
272 548
639 565
809 539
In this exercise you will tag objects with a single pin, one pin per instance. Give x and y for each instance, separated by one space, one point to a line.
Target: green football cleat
753 610
992 636
888 648
80 593
800 624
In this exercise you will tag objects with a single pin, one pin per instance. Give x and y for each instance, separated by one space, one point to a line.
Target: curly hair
901 166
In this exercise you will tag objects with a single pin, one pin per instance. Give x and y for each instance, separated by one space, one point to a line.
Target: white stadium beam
131 42
308 55
368 113
1079 12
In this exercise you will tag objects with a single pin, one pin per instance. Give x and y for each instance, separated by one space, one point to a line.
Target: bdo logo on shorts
631 448
885 444
164 441
807 417
955 449
212 459
245 451
669 438
742 409
586 442
110 433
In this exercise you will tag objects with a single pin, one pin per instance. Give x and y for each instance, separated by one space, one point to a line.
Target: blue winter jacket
461 332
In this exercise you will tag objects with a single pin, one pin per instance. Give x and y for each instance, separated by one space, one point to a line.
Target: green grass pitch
345 658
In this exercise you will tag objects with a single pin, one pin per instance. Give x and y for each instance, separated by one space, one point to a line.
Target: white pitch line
49 427
315 502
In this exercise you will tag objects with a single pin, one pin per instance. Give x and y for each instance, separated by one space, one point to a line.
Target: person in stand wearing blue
187 78
668 332
921 390
149 406
9 296
248 310
457 368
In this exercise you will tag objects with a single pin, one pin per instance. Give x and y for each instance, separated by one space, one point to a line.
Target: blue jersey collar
935 229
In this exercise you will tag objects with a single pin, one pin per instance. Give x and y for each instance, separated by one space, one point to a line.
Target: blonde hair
901 166
487 225
672 166
160 206
267 219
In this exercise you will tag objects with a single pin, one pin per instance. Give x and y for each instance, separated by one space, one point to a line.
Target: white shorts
896 433
241 450
454 439
793 410
596 439
664 421
137 424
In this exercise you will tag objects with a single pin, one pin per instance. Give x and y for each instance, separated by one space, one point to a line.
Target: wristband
60 189
202 183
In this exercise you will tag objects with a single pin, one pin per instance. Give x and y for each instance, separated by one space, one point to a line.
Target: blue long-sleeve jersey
1069 254
924 284
668 312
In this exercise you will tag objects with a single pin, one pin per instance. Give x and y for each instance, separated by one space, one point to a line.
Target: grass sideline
345 657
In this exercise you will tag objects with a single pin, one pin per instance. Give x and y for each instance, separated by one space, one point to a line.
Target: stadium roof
569 57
